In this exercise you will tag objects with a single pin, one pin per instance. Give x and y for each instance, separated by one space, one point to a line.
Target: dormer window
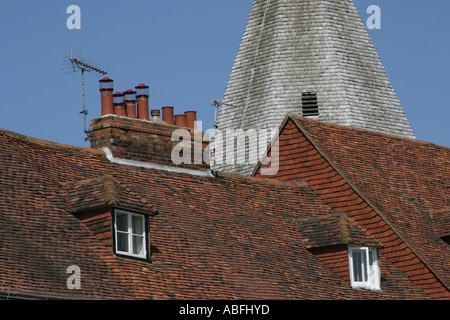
344 246
130 234
364 271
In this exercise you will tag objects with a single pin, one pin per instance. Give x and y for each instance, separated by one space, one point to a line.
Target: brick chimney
147 140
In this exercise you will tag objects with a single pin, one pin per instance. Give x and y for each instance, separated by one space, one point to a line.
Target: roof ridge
344 228
110 191
297 117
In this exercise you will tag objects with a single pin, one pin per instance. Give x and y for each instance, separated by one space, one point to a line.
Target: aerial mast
73 62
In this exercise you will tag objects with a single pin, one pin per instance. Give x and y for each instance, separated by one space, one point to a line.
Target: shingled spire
322 47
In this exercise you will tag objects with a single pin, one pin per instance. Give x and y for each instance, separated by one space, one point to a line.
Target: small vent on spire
310 107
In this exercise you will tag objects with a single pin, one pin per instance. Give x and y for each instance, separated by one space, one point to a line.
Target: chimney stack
106 89
130 103
168 115
191 118
121 129
180 120
142 94
119 107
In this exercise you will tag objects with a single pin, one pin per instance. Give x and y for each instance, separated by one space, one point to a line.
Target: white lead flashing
156 166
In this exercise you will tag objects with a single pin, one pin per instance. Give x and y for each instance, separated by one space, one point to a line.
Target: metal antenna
216 103
74 62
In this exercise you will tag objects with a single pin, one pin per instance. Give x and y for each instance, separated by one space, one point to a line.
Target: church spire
313 58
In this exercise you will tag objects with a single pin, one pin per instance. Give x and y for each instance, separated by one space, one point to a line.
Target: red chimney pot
130 103
142 89
142 101
106 89
180 120
167 115
191 118
119 107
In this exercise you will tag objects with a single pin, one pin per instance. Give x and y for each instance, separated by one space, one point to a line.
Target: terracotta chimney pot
180 120
167 115
130 103
191 118
106 89
142 101
119 107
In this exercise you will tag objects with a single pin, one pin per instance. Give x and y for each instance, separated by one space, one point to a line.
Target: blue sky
184 51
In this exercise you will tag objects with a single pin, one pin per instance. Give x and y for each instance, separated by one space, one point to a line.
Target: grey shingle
319 46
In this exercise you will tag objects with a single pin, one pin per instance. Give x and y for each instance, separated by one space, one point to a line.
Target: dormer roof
102 192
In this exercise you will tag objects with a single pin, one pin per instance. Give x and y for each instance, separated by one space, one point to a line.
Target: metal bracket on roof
216 103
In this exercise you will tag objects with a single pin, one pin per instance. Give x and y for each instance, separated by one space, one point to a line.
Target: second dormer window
364 272
130 234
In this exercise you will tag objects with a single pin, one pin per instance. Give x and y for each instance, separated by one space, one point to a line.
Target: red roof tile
223 237
389 185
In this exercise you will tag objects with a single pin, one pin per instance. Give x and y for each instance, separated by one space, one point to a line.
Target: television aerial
74 62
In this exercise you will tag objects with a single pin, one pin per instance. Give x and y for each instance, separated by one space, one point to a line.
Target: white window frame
130 232
370 271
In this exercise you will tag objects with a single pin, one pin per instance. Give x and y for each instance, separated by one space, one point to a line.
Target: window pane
371 257
364 265
122 222
122 242
359 265
364 268
130 233
374 277
357 272
138 245
138 225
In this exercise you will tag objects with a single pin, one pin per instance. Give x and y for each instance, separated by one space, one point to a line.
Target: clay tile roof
403 179
331 230
223 237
